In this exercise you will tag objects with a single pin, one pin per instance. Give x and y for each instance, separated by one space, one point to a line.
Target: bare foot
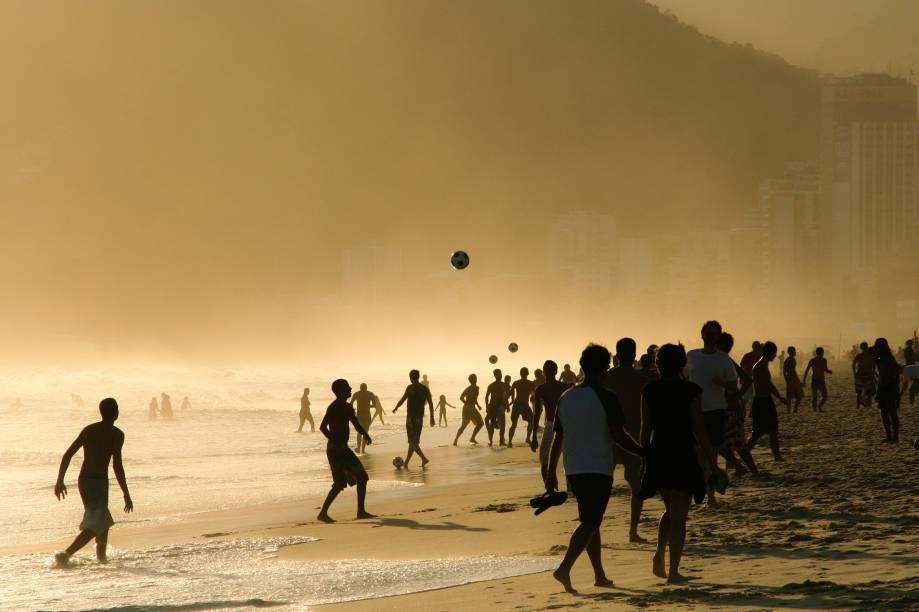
365 515
565 579
510 445
61 559
634 538
425 462
658 568
454 443
325 518
603 581
474 441
676 578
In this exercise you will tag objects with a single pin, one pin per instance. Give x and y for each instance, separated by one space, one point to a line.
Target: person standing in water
347 469
546 397
521 395
818 383
305 414
417 395
363 399
495 407
165 406
377 410
442 410
765 417
153 410
186 404
471 409
793 387
888 394
101 443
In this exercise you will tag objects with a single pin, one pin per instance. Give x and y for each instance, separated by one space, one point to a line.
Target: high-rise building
583 252
868 167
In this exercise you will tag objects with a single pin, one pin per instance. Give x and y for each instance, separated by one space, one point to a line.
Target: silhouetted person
153 410
442 410
186 404
888 393
734 435
362 400
818 382
539 378
793 387
495 407
714 372
417 395
101 443
347 469
377 409
674 434
165 406
765 416
305 414
424 381
76 400
568 376
521 396
587 423
546 397
471 409
909 356
648 361
863 371
627 383
747 362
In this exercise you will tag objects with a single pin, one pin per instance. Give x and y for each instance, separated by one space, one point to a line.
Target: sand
834 527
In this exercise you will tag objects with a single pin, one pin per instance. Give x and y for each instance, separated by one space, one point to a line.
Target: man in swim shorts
818 383
495 407
765 417
521 394
546 397
417 395
793 387
471 409
362 401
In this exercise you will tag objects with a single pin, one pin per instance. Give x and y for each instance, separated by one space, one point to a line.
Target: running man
588 421
818 383
101 443
734 437
495 407
627 384
567 376
471 409
364 399
546 396
793 387
347 470
305 414
863 371
442 410
417 396
765 417
521 395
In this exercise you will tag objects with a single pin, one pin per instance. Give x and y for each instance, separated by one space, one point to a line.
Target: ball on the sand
459 260
398 462
512 347
493 359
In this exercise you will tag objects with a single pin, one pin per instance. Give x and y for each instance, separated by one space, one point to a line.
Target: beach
833 527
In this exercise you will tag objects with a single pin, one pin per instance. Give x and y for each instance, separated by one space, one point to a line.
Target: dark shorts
765 417
793 389
347 469
864 384
714 426
522 411
592 492
364 418
819 386
496 415
413 427
471 415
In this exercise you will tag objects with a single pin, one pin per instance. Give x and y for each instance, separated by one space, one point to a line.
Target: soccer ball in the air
459 260
512 347
398 463
493 359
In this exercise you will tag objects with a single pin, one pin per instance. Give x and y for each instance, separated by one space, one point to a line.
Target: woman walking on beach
673 431
888 390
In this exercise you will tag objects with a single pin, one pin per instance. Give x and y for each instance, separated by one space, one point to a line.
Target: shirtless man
471 409
305 414
101 443
765 417
747 362
495 407
521 394
546 396
818 383
364 399
417 396
567 376
627 383
863 371
793 387
377 410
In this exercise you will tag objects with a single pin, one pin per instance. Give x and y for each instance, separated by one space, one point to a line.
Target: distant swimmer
377 409
521 398
471 409
546 398
734 434
101 443
495 407
818 382
305 414
442 406
627 383
888 389
153 410
347 469
765 417
362 401
567 376
165 406
863 371
417 395
588 422
793 387
186 404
